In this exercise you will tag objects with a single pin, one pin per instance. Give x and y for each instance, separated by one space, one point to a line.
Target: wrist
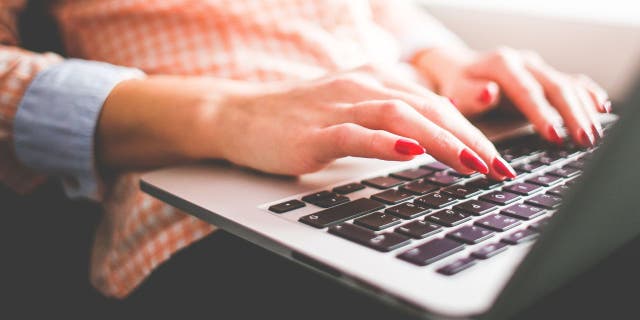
437 64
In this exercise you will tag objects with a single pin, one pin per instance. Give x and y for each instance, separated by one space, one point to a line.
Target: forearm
161 120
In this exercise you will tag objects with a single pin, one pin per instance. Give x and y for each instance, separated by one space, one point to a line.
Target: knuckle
348 80
505 55
393 108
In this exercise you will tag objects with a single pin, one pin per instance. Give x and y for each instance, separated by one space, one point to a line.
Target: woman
283 87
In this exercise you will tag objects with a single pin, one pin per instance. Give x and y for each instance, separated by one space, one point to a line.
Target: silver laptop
425 238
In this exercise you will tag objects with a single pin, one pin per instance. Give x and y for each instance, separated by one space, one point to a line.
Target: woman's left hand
475 82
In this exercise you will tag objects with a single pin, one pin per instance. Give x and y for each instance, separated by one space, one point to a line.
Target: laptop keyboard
428 213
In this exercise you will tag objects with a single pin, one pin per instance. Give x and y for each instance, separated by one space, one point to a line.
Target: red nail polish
486 96
453 102
554 136
473 162
607 106
408 147
585 138
503 168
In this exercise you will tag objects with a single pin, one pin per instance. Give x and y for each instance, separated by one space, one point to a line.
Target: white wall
598 38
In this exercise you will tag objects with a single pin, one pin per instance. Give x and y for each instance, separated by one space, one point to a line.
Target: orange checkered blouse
255 40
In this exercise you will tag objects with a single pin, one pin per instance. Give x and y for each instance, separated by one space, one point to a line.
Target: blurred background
600 38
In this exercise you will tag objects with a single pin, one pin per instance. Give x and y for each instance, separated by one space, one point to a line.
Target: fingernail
585 138
485 96
453 102
408 147
503 168
607 106
554 136
473 162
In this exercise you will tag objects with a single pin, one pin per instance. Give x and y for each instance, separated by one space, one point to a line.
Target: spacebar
341 213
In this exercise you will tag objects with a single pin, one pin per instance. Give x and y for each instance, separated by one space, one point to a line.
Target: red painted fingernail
473 162
408 147
607 106
554 136
503 168
585 138
486 96
453 102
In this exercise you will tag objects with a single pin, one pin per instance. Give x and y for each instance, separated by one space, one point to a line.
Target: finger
596 92
444 114
523 89
350 139
398 117
590 109
562 95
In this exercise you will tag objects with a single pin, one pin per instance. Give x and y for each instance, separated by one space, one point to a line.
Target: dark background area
45 264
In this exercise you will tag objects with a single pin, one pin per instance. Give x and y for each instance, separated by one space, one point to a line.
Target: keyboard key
498 222
331 201
548 160
522 188
500 197
436 166
383 182
457 266
377 221
341 213
419 229
531 166
545 201
577 164
379 241
545 180
311 198
462 192
565 172
412 174
523 211
407 210
287 206
559 190
420 187
520 236
463 175
540 224
442 178
435 200
449 217
476 207
484 183
392 196
348 188
489 250
471 234
431 251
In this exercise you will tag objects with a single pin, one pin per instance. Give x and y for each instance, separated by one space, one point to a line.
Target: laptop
425 238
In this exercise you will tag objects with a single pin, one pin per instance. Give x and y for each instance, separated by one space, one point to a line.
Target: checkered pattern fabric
254 40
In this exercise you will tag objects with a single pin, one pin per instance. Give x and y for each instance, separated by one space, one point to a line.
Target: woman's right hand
300 128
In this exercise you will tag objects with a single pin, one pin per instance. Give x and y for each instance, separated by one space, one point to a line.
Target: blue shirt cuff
56 121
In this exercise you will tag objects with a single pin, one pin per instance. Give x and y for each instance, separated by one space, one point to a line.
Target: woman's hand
544 95
301 127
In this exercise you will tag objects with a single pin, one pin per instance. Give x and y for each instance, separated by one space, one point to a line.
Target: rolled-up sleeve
56 121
